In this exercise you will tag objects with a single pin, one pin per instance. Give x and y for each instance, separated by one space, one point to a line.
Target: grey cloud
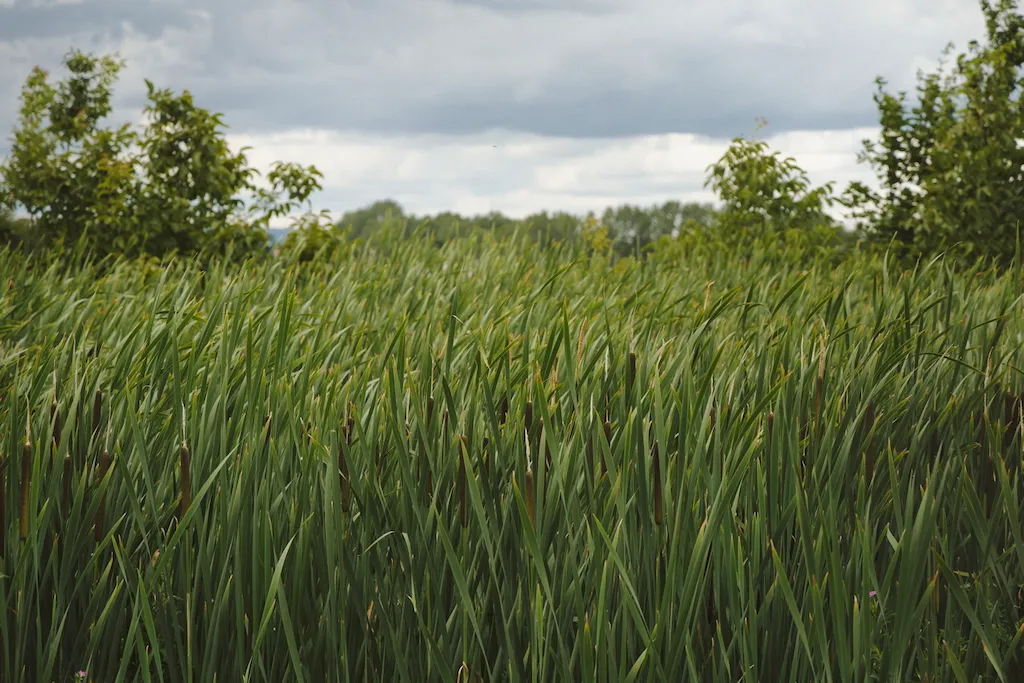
572 6
28 21
559 67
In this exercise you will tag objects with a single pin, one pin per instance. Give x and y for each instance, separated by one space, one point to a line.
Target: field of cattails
483 463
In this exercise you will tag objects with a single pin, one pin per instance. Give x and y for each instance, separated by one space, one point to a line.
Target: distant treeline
629 228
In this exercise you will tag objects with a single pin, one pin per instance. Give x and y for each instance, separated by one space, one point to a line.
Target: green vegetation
951 168
680 442
456 465
173 187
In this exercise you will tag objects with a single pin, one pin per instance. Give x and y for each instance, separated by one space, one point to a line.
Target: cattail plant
659 513
55 419
771 469
632 369
819 387
748 563
485 458
426 473
184 461
461 484
1011 420
3 503
97 413
541 446
987 476
531 506
590 455
101 473
26 485
268 423
607 427
343 448
869 449
66 478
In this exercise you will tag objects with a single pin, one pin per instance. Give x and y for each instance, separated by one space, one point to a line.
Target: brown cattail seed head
350 425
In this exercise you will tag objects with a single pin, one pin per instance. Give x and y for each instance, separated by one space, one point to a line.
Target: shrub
173 186
764 194
951 168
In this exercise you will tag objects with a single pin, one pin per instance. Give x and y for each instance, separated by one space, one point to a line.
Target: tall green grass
484 464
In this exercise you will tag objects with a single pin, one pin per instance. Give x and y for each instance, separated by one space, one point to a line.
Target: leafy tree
631 227
547 229
673 216
764 194
189 179
362 223
313 238
174 186
635 228
951 168
595 237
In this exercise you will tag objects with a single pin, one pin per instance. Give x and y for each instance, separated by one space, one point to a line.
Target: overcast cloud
514 105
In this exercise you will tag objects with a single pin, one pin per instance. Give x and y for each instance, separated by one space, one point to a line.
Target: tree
763 194
673 216
174 186
951 168
362 223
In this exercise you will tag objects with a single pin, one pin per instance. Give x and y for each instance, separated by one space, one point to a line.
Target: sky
509 105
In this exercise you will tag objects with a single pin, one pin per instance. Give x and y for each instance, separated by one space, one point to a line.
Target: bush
764 194
173 186
951 168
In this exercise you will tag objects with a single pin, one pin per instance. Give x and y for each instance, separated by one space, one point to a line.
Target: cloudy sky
511 105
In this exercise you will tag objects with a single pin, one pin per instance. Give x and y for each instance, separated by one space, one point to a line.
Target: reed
558 469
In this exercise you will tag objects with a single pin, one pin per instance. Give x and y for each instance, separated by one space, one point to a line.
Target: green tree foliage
362 223
951 167
624 229
769 207
173 186
313 239
764 194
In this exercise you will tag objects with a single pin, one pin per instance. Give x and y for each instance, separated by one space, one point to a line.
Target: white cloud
520 174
